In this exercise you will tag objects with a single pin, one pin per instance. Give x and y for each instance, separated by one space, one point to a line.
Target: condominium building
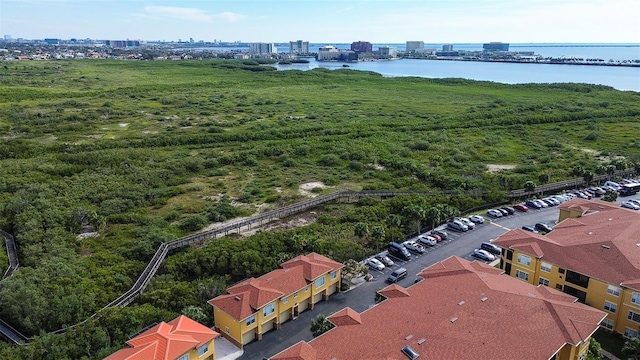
414 46
361 47
179 339
460 310
593 253
262 48
254 306
298 47
387 51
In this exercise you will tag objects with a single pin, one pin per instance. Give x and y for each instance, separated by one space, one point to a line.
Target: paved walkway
609 355
225 350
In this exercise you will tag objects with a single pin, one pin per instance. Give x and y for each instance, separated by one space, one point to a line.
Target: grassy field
145 152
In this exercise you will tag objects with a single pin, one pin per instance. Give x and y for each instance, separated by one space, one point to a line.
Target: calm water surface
622 78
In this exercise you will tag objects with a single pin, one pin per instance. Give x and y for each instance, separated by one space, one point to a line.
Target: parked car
470 224
549 202
427 240
630 205
553 200
494 249
503 211
598 190
613 185
560 198
521 207
443 234
533 204
494 213
483 254
476 219
541 203
435 236
508 209
457 225
635 201
375 264
530 228
385 260
542 227
414 246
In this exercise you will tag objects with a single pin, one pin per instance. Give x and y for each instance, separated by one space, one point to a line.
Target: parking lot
462 244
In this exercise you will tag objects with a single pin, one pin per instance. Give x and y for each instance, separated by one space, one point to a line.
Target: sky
327 21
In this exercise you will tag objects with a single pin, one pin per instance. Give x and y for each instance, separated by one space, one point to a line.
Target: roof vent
590 233
408 337
461 303
237 298
610 219
411 354
421 341
484 298
453 319
606 246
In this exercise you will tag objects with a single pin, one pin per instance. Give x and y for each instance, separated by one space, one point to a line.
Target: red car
521 207
435 236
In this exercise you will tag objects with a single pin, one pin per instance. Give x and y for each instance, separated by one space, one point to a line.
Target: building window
607 323
319 281
543 281
284 300
577 279
295 294
226 329
306 289
583 356
559 287
609 306
251 319
334 274
509 255
184 357
630 333
546 267
522 275
613 290
635 298
524 259
203 349
633 316
269 309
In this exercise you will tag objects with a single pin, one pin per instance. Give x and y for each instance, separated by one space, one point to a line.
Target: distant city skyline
327 21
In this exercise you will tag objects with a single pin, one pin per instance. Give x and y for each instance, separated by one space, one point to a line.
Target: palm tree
588 177
631 348
434 214
529 186
377 234
417 213
320 325
361 230
543 178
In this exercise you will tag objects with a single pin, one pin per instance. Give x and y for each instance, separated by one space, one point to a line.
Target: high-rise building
495 46
7 37
387 51
362 47
298 47
262 48
413 46
447 47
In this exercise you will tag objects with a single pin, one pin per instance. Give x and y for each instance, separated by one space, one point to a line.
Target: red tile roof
346 316
299 351
166 341
249 295
459 308
604 243
313 264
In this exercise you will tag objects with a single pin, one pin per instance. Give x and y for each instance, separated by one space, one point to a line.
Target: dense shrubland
145 152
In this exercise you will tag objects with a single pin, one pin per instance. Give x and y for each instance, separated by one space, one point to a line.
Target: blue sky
331 21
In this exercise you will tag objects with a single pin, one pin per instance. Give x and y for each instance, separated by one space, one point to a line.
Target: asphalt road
362 297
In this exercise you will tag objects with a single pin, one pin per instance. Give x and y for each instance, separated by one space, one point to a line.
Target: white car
630 205
427 240
635 201
494 213
467 222
476 219
483 254
375 264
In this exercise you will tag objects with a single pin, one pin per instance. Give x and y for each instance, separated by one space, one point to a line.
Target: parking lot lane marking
500 226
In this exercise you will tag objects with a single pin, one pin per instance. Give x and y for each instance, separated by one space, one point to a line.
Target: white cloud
229 16
181 13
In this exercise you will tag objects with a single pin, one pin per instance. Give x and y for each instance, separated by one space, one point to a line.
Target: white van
613 184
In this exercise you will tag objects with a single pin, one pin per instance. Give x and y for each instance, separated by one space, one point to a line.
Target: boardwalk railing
258 220
11 253
567 184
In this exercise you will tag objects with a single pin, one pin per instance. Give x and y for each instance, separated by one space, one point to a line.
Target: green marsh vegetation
146 152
